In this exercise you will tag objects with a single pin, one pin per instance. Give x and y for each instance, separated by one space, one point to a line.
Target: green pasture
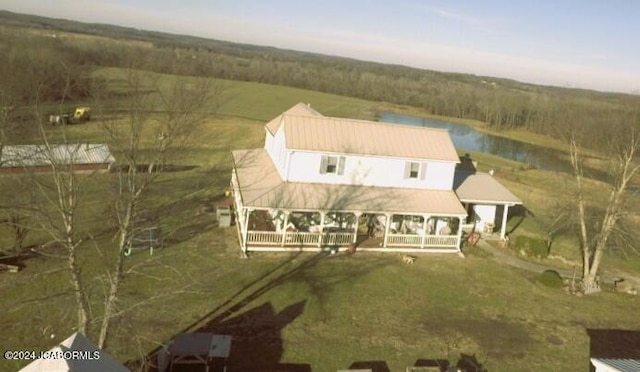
289 311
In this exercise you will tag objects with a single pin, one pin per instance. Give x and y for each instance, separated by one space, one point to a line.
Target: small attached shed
487 202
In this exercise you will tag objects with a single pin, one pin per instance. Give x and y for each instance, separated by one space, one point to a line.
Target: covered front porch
285 230
273 215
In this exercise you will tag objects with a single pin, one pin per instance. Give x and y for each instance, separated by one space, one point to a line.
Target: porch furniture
199 348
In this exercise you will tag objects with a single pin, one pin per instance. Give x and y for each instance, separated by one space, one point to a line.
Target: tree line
502 103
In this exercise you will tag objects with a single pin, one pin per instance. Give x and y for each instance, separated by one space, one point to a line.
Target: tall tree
158 121
623 149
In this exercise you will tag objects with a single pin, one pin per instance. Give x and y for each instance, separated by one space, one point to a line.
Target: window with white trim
415 170
332 164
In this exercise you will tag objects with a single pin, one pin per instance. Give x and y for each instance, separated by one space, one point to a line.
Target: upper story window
332 164
415 170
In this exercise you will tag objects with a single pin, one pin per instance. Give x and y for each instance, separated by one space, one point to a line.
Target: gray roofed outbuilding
23 156
477 187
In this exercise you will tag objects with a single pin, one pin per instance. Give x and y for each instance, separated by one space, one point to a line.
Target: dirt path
510 259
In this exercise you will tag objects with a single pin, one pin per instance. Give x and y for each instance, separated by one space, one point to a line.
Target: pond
466 138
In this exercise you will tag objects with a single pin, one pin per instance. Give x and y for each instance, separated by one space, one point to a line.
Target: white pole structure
284 227
322 214
386 229
503 228
355 232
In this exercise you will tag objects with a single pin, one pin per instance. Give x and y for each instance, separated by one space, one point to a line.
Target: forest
501 103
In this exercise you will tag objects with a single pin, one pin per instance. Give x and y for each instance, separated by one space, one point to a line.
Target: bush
551 279
532 247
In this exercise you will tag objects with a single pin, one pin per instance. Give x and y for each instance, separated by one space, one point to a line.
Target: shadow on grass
257 342
373 365
613 344
466 362
493 336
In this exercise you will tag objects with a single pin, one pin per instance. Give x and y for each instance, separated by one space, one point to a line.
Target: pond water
466 138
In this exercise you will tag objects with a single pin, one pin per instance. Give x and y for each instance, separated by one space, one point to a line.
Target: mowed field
303 312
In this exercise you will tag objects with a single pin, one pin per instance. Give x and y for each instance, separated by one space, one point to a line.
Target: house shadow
613 344
373 365
466 362
257 338
257 332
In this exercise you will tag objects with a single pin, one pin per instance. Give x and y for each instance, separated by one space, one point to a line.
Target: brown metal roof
306 129
476 187
261 187
299 109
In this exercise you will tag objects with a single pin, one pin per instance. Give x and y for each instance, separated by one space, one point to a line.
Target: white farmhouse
326 183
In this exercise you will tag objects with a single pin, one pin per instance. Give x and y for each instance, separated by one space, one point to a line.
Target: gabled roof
40 155
261 187
476 187
300 109
307 130
615 364
93 358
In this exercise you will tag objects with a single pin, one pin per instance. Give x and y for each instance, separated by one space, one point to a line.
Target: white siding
485 213
370 171
275 146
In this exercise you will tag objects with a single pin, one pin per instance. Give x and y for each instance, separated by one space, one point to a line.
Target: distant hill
501 103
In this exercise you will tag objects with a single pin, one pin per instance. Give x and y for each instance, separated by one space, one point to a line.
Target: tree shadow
257 336
613 344
373 365
257 343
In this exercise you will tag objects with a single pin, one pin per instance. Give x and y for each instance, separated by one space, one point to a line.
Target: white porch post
386 229
322 215
503 228
355 232
245 233
284 228
458 245
424 229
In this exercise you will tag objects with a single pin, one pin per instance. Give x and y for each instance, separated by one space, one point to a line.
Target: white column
425 230
503 228
245 233
284 227
322 214
355 232
458 245
386 229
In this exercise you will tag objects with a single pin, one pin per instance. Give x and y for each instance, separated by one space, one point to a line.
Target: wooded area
501 103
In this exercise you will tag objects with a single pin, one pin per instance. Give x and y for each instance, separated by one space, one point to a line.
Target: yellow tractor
80 115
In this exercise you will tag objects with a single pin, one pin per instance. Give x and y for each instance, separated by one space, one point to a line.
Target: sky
592 44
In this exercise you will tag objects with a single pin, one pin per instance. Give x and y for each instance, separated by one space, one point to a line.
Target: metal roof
41 155
305 129
261 187
616 364
476 187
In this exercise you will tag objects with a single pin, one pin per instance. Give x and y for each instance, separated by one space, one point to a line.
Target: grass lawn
306 310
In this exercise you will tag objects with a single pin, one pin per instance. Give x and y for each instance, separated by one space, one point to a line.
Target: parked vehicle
80 115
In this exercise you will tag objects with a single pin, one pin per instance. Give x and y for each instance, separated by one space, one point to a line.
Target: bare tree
623 149
158 121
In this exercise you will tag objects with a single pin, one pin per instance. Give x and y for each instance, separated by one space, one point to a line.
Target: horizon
576 44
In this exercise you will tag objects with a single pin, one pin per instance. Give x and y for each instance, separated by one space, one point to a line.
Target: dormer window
332 164
415 170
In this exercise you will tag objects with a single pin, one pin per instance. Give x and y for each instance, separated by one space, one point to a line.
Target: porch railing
299 238
440 241
302 238
407 240
264 237
337 238
404 240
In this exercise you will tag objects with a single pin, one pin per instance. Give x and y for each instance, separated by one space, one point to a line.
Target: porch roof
478 187
261 187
